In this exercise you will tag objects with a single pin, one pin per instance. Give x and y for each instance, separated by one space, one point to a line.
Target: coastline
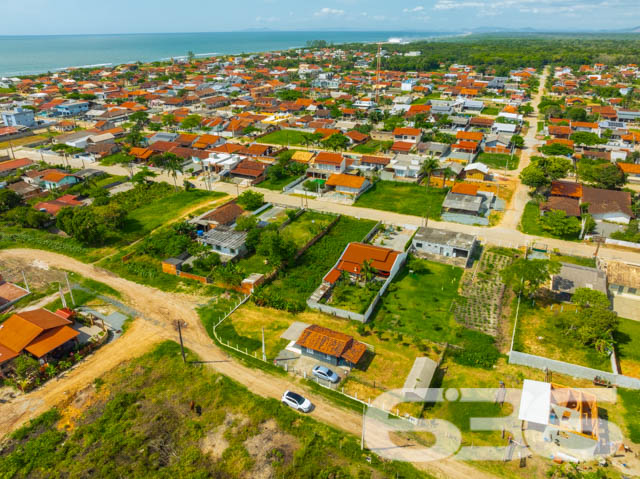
100 60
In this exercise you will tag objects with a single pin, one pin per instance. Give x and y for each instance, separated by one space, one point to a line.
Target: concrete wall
574 370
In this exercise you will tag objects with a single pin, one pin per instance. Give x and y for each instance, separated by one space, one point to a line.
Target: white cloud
326 11
497 7
413 10
379 18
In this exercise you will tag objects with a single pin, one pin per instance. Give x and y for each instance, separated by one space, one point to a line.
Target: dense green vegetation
499 160
405 198
143 426
295 284
502 52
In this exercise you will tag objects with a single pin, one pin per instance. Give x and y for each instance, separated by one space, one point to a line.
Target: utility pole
184 359
26 285
64 301
73 301
264 354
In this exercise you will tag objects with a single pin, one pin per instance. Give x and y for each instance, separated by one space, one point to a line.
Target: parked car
296 401
325 373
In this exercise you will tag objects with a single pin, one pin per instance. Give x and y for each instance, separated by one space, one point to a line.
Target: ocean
25 55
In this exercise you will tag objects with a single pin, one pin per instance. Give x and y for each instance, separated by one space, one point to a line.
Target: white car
296 401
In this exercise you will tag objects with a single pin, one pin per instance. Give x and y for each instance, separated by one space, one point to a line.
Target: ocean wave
94 65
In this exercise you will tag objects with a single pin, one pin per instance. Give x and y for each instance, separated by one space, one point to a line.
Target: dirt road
161 309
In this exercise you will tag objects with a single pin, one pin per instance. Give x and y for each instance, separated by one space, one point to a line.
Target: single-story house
356 254
572 277
330 346
10 293
11 166
250 170
476 171
226 215
55 179
350 185
39 332
225 241
444 244
53 207
608 205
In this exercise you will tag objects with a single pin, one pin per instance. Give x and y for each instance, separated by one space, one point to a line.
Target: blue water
23 55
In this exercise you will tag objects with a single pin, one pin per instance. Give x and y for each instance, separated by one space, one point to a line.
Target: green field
306 226
405 198
491 110
418 303
284 137
140 424
294 285
499 160
372 146
277 185
148 217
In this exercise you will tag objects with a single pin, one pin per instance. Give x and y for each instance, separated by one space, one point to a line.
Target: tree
169 120
142 176
517 141
526 109
190 56
275 247
170 163
139 117
556 149
525 276
367 271
586 138
542 171
9 199
336 142
590 298
429 165
250 200
246 223
27 217
191 122
559 224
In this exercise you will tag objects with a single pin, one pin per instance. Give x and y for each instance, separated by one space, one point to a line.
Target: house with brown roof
11 166
608 205
330 346
225 215
10 293
356 254
250 170
38 332
53 207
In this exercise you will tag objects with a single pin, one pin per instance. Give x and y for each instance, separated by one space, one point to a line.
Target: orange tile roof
50 340
470 135
629 168
402 146
566 188
327 158
54 176
465 189
333 343
382 259
347 181
16 333
407 131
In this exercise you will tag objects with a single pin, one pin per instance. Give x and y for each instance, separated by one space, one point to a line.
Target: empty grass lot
372 146
627 340
306 226
537 334
499 160
136 422
284 137
145 219
405 198
491 110
418 303
277 184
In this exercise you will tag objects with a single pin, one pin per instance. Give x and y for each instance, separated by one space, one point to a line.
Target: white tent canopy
535 403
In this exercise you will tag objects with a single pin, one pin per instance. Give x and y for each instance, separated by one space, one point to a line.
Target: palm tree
446 173
368 271
427 168
172 164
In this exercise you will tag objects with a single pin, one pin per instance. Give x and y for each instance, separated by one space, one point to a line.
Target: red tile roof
333 343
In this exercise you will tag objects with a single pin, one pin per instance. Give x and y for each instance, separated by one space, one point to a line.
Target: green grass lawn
372 146
110 179
631 402
306 226
538 334
491 110
628 339
284 137
354 297
277 185
579 260
405 198
114 159
295 284
255 264
418 303
145 219
499 160
530 223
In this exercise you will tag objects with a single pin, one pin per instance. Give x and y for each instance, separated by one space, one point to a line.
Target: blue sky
24 17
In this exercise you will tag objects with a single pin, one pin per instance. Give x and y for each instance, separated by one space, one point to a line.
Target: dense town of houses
218 114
